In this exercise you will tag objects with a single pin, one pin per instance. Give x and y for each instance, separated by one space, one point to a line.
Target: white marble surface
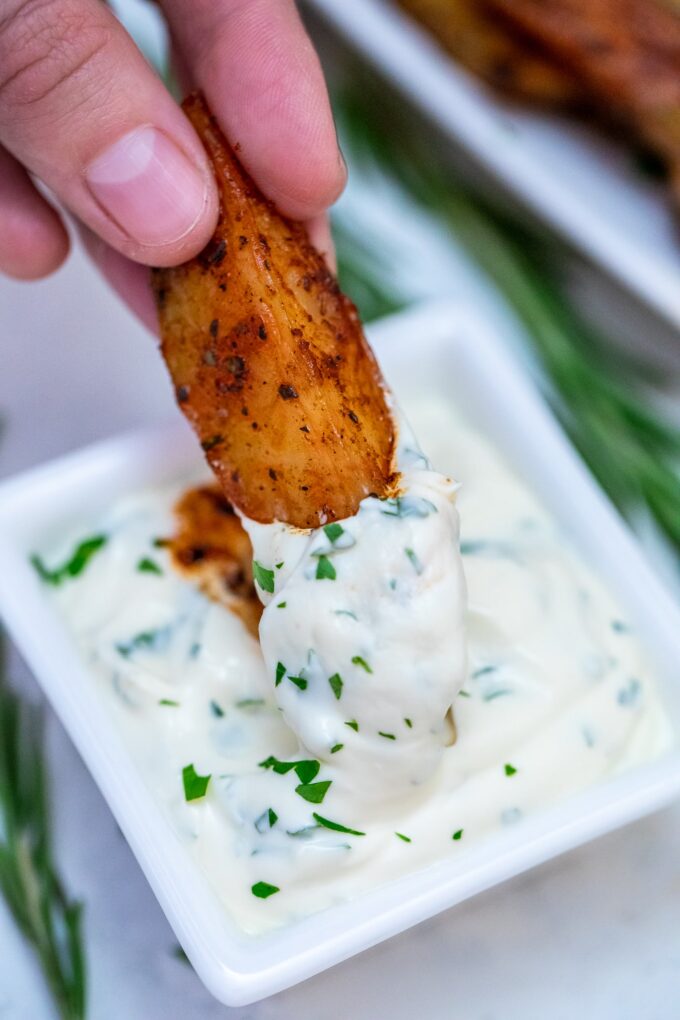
594 934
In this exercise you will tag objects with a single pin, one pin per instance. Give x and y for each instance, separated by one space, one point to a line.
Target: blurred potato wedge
269 361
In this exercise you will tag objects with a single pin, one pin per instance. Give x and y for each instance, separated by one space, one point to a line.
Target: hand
81 110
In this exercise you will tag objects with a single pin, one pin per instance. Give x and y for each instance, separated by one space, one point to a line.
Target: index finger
257 67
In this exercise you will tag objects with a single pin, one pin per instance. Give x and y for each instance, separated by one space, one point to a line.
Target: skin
72 84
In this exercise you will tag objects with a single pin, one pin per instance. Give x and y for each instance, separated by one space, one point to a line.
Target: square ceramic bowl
442 348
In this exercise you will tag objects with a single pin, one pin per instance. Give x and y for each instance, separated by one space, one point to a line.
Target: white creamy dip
555 696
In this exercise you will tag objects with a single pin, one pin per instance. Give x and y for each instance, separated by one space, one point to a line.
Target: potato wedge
270 363
211 548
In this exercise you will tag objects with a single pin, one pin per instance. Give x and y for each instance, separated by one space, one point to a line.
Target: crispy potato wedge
211 548
270 363
626 54
509 62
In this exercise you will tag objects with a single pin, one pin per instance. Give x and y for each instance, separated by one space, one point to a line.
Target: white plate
572 177
441 347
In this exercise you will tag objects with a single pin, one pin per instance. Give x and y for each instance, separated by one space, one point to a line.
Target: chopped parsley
250 703
280 673
336 747
336 685
306 770
346 612
353 725
216 710
168 701
458 834
387 736
264 577
75 565
510 770
464 694
358 661
299 681
263 889
267 820
335 826
155 640
414 561
409 723
325 569
148 566
280 605
406 839
333 532
195 786
313 792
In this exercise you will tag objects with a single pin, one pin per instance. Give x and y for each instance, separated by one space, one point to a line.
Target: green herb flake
414 561
273 817
281 605
264 577
400 835
299 681
510 770
336 685
458 834
408 723
358 661
75 565
353 725
267 820
333 532
279 565
216 710
464 694
148 566
263 890
195 786
250 703
169 702
387 736
346 612
325 571
280 673
326 823
313 792
336 747
306 770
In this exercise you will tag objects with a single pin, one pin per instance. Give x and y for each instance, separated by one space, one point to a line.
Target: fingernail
149 187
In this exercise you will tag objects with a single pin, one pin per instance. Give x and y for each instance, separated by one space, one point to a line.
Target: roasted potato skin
511 62
270 363
210 548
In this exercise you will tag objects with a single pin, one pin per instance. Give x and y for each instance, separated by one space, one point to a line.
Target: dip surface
556 695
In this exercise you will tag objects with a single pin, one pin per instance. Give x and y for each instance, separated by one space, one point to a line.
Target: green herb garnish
75 565
313 792
353 725
325 569
510 770
281 605
195 786
335 826
299 681
409 723
387 736
414 561
280 673
333 532
263 889
336 685
264 577
358 661
148 566
250 703
267 820
216 710
406 839
458 834
306 770
336 747
168 701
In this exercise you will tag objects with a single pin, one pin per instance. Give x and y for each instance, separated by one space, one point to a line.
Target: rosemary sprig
29 882
632 451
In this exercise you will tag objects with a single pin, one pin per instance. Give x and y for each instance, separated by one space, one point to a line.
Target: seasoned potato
467 30
270 363
211 548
